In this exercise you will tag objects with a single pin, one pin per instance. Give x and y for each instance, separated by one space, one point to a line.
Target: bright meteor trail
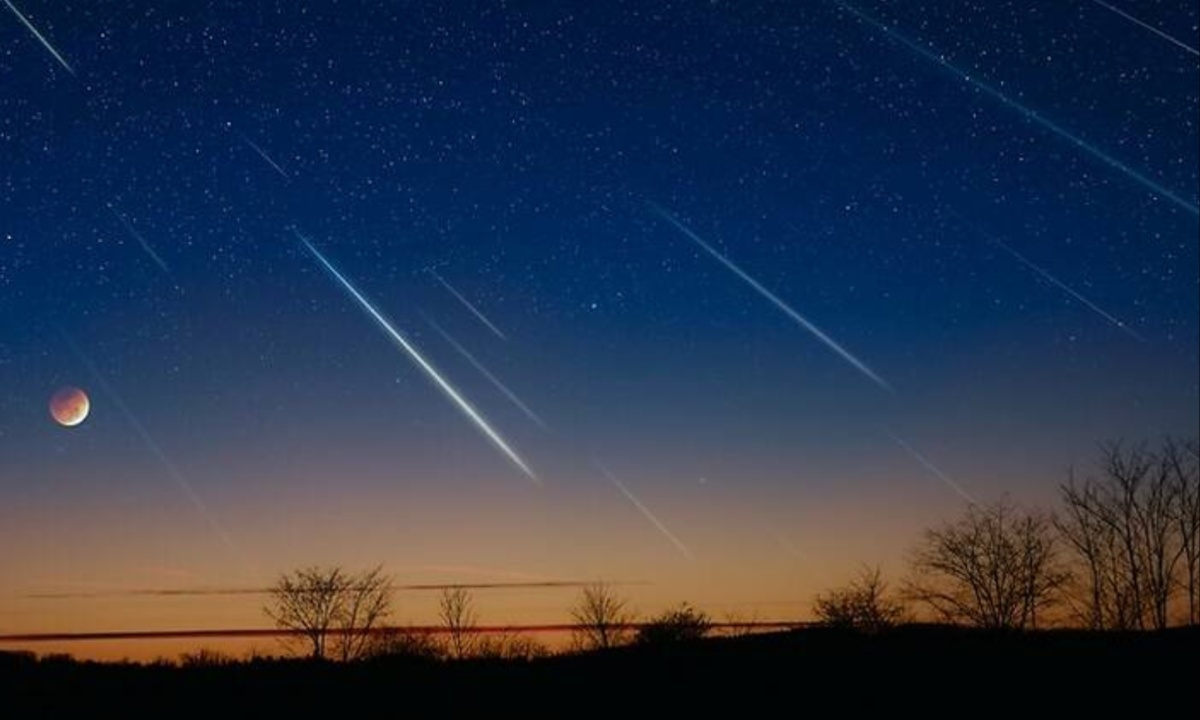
504 389
443 384
467 304
1029 113
645 511
775 300
45 43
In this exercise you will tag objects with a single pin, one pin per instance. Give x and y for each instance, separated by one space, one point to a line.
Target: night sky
762 289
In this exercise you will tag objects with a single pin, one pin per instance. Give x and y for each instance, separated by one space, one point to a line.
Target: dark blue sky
148 201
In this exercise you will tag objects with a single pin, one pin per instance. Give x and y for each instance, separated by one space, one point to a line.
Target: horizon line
398 629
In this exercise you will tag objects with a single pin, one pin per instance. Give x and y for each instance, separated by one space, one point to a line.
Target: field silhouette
930 669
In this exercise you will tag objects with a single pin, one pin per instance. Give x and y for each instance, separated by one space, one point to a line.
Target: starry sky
755 291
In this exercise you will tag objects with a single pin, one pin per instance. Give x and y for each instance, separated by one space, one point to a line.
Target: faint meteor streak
919 457
155 449
508 393
424 365
141 240
1147 26
774 299
783 543
645 511
467 304
1029 113
1045 275
45 43
1067 289
263 154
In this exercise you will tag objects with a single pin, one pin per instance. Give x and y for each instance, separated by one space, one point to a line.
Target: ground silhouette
936 670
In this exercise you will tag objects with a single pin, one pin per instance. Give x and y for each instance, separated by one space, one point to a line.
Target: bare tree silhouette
995 567
601 618
1101 595
864 603
1182 461
1133 529
457 612
331 610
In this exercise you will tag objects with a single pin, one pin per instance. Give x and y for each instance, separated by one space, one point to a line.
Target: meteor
512 396
774 299
1067 289
1028 113
263 154
155 449
783 543
45 43
645 511
1147 26
141 240
431 372
1045 275
467 304
916 454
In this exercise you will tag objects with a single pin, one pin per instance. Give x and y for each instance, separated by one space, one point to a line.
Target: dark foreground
933 671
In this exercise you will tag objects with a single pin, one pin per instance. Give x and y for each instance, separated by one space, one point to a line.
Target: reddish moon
69 406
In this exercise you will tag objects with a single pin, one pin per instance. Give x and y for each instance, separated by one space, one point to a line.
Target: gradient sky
990 205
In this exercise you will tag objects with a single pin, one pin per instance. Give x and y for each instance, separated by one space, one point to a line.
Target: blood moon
69 406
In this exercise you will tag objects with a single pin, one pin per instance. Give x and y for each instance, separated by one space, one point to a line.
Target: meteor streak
155 449
1045 275
512 396
45 43
1067 289
263 154
467 304
444 385
774 299
141 240
1027 112
916 454
783 543
645 511
1147 26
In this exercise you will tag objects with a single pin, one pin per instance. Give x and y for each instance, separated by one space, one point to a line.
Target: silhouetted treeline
1119 558
1121 551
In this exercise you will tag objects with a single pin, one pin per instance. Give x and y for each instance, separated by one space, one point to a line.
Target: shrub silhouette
679 625
863 604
